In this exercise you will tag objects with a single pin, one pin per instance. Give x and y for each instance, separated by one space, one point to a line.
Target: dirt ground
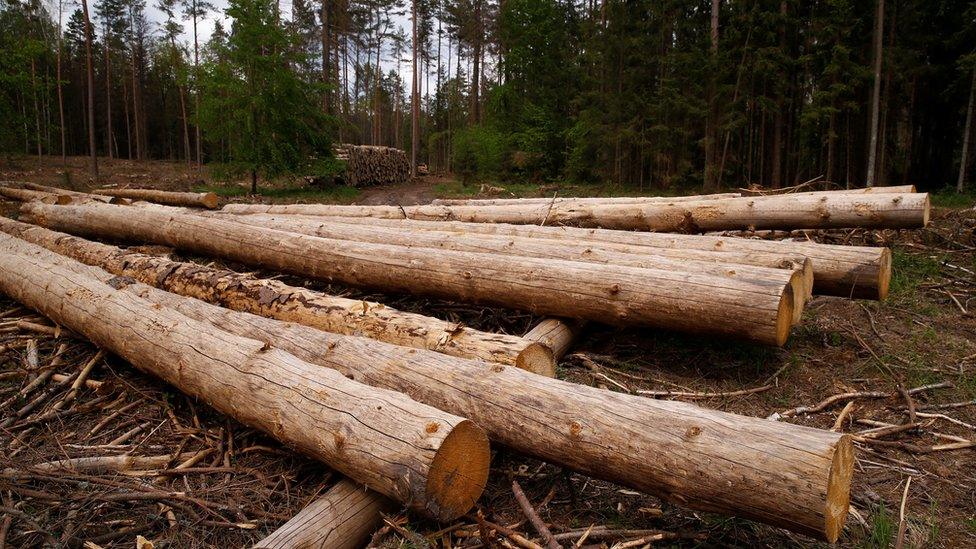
243 484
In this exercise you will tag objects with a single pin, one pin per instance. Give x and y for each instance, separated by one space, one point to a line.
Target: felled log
343 518
189 200
865 190
885 211
612 294
787 475
435 462
846 271
79 196
558 334
797 274
26 195
576 200
274 299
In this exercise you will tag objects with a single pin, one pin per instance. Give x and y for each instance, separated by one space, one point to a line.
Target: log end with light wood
459 472
839 489
537 358
556 333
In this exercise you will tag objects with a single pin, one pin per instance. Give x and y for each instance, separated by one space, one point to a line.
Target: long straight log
787 475
26 195
190 200
274 299
846 271
576 200
798 275
435 462
617 295
886 211
865 190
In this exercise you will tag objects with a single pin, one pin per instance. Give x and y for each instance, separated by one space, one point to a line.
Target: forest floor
244 484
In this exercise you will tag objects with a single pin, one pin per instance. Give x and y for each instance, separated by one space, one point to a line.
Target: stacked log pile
403 405
373 165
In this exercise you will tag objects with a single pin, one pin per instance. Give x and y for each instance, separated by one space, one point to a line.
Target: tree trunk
967 132
26 195
196 88
343 518
796 211
611 294
847 271
711 122
37 108
787 475
370 434
577 201
474 114
414 98
875 94
74 194
798 277
326 56
272 299
135 105
91 91
108 95
191 200
558 334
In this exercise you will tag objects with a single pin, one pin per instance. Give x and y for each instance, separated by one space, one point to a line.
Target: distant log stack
373 165
190 200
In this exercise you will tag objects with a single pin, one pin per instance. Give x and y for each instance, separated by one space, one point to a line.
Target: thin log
576 200
846 271
894 189
435 462
886 211
274 299
343 518
190 200
691 302
75 195
27 195
783 474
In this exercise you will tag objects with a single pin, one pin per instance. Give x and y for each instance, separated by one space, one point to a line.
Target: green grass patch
881 530
971 524
910 270
949 198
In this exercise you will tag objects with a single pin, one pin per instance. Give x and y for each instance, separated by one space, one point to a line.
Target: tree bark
191 200
435 462
787 475
797 211
64 154
847 271
82 197
611 294
93 164
967 132
272 299
875 94
25 195
576 200
414 98
558 334
343 518
797 276
108 94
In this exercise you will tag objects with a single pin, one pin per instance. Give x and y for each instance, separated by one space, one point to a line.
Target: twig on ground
902 523
533 516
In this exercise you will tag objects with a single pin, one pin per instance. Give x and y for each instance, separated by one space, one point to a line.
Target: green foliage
479 152
254 106
910 270
882 530
949 198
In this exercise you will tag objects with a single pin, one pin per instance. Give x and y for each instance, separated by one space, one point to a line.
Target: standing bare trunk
326 57
711 174
37 110
876 94
108 94
776 178
64 154
135 99
91 90
960 184
414 100
474 115
196 87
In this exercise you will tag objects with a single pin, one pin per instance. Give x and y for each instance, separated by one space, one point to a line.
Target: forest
637 93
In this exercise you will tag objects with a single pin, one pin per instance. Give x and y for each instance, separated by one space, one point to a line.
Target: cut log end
209 200
784 316
927 210
538 359
807 269
884 274
459 471
839 488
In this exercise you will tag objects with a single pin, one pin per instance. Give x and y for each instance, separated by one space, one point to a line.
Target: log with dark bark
435 462
883 210
787 475
274 299
846 271
684 301
189 200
